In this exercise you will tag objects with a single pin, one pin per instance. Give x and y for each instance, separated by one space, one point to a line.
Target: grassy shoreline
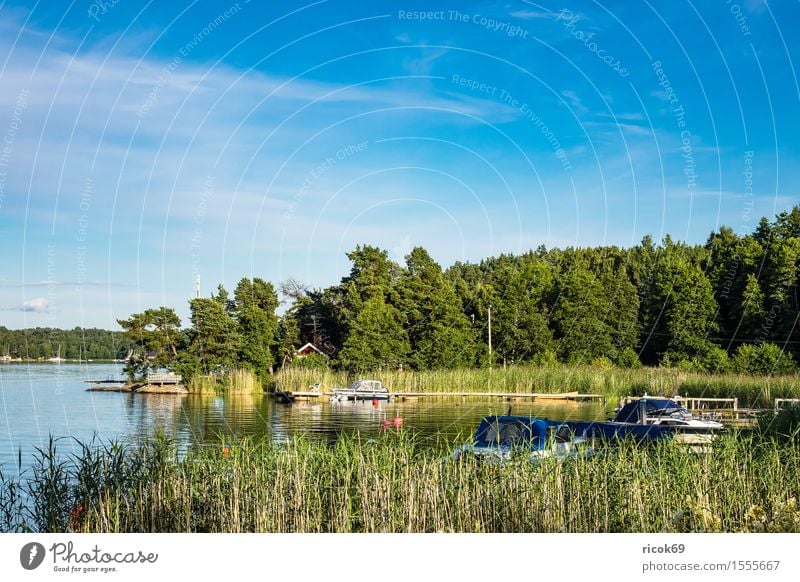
399 484
752 391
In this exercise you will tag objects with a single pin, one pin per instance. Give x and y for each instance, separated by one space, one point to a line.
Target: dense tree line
41 343
728 305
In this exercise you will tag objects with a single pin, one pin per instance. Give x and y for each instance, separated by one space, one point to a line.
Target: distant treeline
41 343
730 304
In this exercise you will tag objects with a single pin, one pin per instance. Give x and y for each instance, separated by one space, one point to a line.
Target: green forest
729 305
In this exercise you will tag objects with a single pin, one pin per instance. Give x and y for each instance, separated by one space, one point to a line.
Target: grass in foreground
399 484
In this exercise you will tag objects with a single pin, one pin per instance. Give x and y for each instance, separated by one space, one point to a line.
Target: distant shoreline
63 361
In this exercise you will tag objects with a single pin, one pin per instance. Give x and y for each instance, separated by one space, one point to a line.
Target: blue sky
144 144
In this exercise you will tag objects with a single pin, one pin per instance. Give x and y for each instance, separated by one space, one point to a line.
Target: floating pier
108 381
289 396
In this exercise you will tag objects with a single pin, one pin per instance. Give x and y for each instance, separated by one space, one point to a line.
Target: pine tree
440 334
376 339
215 339
579 314
255 304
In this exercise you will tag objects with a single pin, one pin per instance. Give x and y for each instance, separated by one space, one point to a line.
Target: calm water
37 400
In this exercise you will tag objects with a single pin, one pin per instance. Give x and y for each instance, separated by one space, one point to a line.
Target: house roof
308 347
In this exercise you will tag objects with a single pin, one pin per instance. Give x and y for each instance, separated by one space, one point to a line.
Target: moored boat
652 419
499 439
362 390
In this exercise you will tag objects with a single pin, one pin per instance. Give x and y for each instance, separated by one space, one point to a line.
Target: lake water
39 400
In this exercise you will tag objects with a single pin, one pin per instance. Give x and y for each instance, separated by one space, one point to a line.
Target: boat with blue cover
498 439
651 419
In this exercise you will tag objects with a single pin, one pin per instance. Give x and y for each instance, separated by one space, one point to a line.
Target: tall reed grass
398 483
238 381
752 391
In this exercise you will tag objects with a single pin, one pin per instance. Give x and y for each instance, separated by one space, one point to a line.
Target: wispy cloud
575 101
37 305
54 283
533 14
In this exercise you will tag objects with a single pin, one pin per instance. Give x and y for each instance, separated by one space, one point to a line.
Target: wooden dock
107 381
532 396
290 396
162 379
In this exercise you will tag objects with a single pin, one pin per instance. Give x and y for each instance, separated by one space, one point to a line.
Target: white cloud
37 305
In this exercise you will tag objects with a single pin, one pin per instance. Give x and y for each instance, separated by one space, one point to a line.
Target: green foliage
215 337
628 358
581 328
376 339
78 343
439 332
287 340
716 361
311 362
255 305
544 359
188 365
764 359
682 307
136 367
669 304
154 335
602 363
518 292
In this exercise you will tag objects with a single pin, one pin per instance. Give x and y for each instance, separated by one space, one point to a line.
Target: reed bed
399 483
752 391
237 381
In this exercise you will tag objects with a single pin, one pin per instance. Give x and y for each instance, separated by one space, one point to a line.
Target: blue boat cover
512 431
531 432
614 431
631 411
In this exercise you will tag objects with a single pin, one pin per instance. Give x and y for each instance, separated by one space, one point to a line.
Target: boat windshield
677 413
504 434
367 386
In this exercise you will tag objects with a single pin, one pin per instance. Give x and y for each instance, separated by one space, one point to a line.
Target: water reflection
39 400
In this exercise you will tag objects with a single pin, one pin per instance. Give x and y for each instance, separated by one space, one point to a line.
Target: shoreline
140 388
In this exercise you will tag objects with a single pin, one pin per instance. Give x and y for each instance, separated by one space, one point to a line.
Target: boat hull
642 432
360 396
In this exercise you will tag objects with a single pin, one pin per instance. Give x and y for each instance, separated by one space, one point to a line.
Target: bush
764 359
602 362
682 363
544 359
628 358
715 360
311 362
